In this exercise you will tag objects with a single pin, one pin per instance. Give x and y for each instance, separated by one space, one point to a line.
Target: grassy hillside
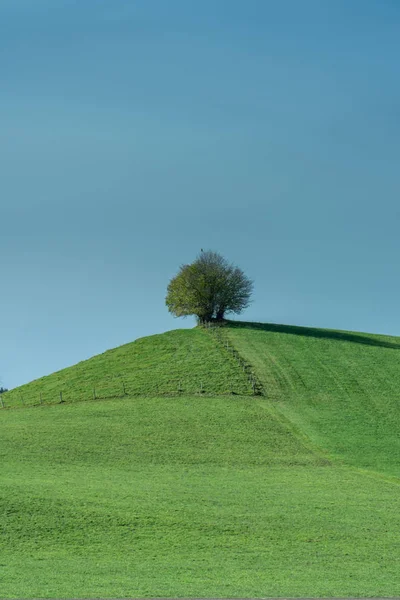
185 497
207 495
185 359
339 388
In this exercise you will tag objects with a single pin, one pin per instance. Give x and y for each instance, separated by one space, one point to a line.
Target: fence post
94 393
40 398
2 402
61 399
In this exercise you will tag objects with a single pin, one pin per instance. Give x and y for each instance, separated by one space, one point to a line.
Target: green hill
341 389
205 492
181 361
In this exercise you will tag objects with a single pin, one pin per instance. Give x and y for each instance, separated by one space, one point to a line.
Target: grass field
185 360
340 389
293 494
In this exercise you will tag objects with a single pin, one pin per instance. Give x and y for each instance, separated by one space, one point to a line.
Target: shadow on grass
329 334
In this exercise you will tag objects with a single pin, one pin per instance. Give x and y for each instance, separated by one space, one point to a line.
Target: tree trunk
220 314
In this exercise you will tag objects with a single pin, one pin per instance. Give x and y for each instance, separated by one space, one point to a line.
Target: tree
208 288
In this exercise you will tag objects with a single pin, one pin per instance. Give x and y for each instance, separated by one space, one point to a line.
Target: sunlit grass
208 494
187 361
339 388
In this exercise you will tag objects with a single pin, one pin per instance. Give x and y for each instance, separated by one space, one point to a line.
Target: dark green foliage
208 288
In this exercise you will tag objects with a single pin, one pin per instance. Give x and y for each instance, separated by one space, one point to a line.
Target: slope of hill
184 360
207 495
341 389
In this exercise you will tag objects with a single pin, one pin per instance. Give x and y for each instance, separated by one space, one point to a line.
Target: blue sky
135 132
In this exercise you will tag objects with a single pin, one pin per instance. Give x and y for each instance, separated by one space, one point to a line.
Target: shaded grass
339 388
367 339
186 360
185 497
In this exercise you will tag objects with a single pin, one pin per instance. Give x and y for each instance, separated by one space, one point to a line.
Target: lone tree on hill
208 288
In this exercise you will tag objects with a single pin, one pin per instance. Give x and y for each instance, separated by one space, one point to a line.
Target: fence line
117 387
216 331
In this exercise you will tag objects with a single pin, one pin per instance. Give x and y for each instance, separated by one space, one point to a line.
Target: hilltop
181 479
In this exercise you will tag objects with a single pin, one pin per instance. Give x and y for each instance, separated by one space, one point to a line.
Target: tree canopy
208 288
